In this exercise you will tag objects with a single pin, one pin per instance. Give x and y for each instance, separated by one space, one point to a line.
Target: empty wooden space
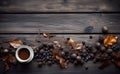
59 5
59 23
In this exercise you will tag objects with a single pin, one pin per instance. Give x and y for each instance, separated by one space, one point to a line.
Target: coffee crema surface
24 54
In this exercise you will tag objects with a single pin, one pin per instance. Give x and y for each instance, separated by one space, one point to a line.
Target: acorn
5 50
109 50
73 55
98 44
40 64
42 51
78 58
105 29
49 63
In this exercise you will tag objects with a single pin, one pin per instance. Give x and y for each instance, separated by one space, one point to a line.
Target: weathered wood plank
59 23
59 5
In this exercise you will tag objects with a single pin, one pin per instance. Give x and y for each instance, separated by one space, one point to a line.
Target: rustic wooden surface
59 23
78 19
59 5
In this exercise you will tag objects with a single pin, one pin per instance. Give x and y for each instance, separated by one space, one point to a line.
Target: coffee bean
83 42
92 55
44 45
90 37
68 39
86 68
84 51
75 62
94 50
103 48
101 39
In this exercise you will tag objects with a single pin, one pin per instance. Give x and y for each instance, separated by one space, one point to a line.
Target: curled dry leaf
110 40
16 43
117 59
8 60
57 53
79 46
47 35
57 43
74 45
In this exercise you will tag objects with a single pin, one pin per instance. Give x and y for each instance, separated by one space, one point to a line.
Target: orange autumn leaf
75 46
110 40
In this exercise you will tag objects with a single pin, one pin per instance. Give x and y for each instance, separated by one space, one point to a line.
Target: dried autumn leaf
57 43
79 46
57 53
74 45
71 43
117 59
47 35
110 40
8 60
16 43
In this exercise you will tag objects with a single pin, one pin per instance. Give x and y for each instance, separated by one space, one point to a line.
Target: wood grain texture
59 5
59 23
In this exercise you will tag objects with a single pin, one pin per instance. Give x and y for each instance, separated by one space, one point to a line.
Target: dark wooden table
78 19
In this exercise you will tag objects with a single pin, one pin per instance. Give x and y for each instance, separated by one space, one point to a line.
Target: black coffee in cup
24 54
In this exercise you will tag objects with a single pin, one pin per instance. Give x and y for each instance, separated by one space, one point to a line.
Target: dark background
78 19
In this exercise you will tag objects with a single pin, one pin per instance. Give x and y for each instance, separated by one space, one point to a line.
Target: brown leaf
74 45
57 53
117 59
56 43
16 43
8 60
47 35
110 40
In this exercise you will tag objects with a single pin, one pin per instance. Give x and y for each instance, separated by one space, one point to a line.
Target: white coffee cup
31 54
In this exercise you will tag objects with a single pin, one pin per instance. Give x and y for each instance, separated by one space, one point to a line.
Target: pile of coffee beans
43 55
